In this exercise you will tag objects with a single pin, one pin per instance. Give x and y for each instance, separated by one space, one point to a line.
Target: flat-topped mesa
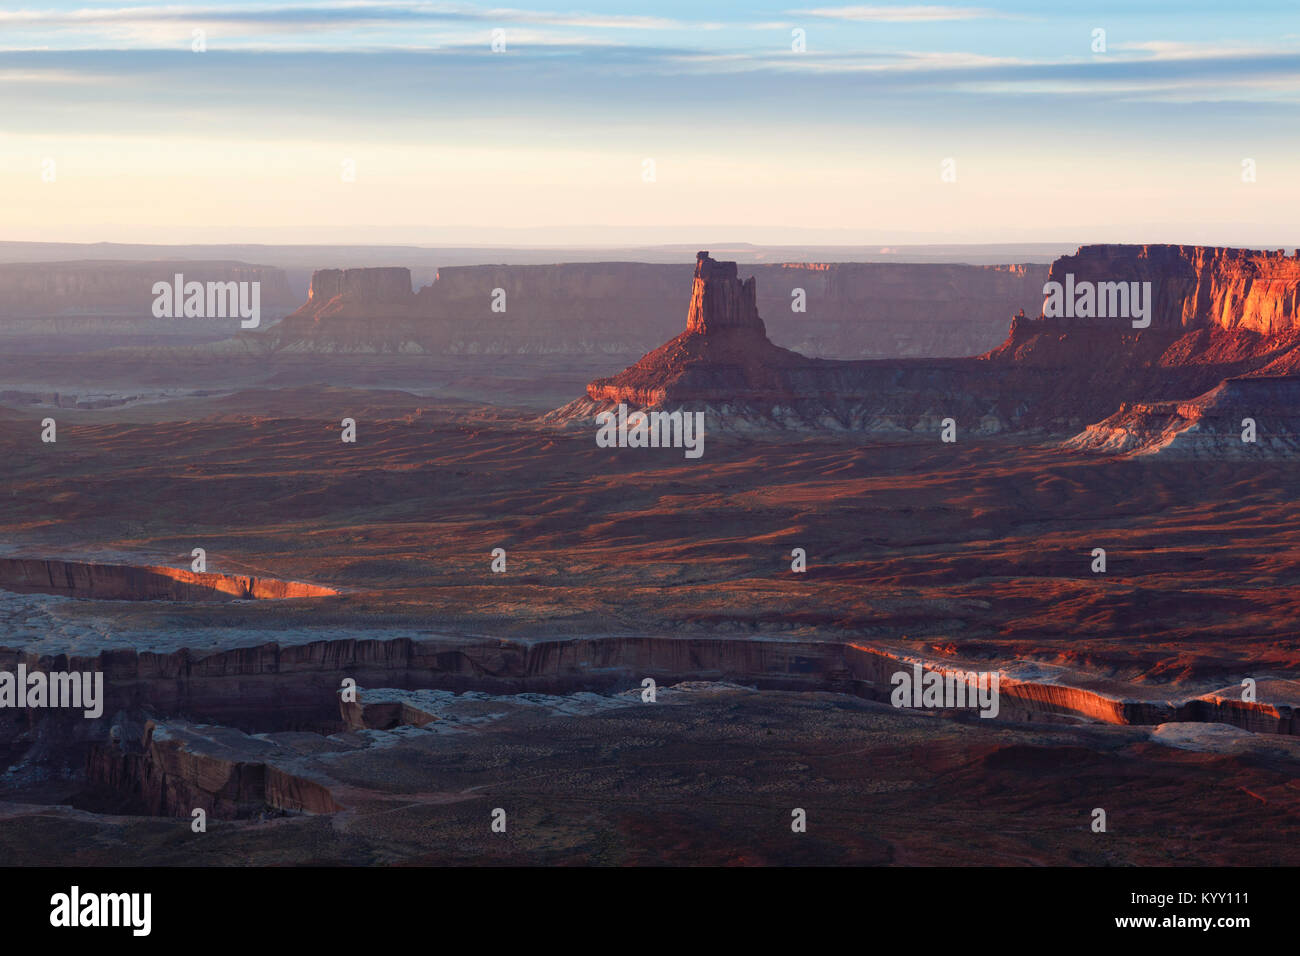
854 309
720 300
1192 287
383 284
358 293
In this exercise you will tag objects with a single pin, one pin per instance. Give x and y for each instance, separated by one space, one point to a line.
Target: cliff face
721 302
178 767
1196 287
335 291
167 766
622 308
119 582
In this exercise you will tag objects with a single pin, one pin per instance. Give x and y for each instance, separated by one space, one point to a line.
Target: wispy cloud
1183 50
340 14
902 14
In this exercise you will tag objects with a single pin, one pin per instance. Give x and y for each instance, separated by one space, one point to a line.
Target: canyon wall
121 582
251 758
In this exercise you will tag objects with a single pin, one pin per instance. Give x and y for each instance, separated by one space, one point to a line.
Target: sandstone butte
1217 314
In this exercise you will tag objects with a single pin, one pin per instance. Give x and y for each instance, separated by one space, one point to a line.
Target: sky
786 121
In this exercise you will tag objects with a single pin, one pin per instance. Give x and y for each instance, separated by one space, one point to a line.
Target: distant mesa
88 289
855 309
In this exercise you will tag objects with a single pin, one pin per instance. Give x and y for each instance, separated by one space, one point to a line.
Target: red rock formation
724 364
720 301
1208 426
1214 313
1027 691
723 355
1197 287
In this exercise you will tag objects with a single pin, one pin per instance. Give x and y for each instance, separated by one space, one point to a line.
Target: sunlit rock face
721 301
1196 287
122 582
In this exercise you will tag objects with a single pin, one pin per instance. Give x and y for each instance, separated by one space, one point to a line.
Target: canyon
524 690
353 683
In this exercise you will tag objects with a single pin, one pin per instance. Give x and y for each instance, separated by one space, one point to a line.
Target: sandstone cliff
1197 287
1217 314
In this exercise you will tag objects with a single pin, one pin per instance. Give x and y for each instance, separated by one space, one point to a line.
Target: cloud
1180 50
911 14
339 14
55 76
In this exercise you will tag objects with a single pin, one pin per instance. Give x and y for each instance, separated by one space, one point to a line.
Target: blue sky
896 122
